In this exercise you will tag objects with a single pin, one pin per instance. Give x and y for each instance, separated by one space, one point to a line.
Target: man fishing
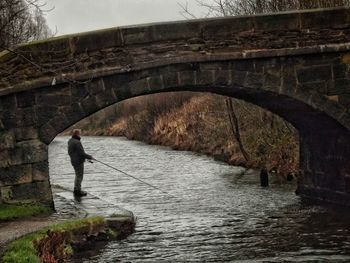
77 158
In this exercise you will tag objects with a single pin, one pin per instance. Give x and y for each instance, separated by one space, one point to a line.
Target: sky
72 16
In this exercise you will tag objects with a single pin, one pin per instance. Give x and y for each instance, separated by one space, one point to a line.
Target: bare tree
22 21
247 7
234 124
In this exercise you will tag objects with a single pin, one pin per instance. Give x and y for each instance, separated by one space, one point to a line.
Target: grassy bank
26 248
11 212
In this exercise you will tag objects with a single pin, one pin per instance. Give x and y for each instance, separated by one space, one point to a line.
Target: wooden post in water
264 177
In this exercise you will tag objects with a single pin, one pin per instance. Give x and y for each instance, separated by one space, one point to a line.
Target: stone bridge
295 64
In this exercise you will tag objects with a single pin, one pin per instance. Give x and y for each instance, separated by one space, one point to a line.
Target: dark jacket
76 152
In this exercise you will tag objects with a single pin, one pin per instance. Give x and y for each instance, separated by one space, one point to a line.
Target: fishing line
116 169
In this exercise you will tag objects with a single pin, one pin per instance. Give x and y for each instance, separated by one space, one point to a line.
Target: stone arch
265 82
271 83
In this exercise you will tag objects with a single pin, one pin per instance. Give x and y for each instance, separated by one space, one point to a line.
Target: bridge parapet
125 48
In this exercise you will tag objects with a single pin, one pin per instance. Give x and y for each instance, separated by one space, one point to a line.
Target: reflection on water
219 214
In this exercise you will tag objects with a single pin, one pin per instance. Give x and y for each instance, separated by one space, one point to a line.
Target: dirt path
67 207
12 230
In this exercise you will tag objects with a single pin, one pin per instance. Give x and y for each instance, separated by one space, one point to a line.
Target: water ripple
219 215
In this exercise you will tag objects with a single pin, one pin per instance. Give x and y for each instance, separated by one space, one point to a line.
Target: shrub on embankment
200 123
31 248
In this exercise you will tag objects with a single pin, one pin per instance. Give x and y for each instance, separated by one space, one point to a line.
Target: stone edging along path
68 209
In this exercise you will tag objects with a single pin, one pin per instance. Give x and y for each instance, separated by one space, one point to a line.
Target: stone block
144 73
96 40
73 113
7 140
46 46
171 80
139 87
117 223
8 103
187 78
45 113
27 193
95 86
344 100
314 73
89 105
244 65
27 116
225 27
215 66
155 83
26 133
317 59
347 182
4 158
54 100
338 87
25 99
222 77
28 152
254 80
40 171
340 71
318 86
239 78
342 86
106 98
334 98
12 119
14 175
61 122
274 22
175 31
79 92
331 18
6 193
205 77
137 35
272 81
179 67
54 96
47 133
122 92
289 80
116 81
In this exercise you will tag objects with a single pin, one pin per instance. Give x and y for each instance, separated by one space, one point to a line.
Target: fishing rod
116 169
155 187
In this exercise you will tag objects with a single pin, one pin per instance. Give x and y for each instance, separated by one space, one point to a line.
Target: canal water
220 214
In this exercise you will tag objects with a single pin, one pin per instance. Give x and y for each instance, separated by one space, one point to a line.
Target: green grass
22 250
10 212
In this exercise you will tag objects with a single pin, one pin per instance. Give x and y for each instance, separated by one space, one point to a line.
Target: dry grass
201 124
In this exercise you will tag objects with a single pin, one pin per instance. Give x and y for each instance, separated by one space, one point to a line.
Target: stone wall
23 156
